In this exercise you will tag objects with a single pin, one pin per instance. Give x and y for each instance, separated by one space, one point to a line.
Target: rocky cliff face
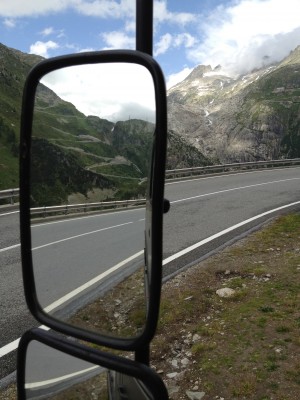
253 117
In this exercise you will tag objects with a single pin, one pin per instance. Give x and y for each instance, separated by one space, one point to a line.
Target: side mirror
93 138
51 367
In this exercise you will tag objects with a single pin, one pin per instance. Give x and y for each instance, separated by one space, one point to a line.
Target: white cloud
184 39
47 31
173 79
130 26
21 8
96 8
162 14
9 22
241 37
168 41
117 9
42 48
118 40
163 45
106 8
111 91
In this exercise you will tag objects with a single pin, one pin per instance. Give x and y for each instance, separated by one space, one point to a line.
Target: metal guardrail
170 174
85 207
9 194
183 172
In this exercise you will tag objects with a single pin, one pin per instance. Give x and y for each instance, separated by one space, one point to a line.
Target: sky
239 35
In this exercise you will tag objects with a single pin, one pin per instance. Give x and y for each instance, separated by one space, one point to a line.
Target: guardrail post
12 198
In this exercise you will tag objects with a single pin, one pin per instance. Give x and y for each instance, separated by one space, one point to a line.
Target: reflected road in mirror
51 374
72 274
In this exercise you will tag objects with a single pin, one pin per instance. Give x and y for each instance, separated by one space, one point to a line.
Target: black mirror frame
156 203
146 375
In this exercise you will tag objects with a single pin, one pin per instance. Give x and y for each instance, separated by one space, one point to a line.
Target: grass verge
246 346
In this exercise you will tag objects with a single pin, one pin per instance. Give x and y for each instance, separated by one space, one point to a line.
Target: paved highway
205 213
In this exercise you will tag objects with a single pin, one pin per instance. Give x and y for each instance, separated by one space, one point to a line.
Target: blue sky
237 34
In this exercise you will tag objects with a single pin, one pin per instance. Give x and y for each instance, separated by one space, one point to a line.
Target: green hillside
14 66
76 157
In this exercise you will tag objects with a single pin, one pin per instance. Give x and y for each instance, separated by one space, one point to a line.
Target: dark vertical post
144 43
144 26
142 355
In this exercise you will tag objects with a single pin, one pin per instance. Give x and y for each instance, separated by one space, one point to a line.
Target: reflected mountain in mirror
92 140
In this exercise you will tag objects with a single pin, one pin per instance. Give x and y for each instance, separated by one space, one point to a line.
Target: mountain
14 67
252 117
76 158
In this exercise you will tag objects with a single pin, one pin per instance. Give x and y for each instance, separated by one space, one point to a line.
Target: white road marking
9 213
225 175
82 234
13 345
36 385
79 218
66 239
98 278
219 234
10 247
233 189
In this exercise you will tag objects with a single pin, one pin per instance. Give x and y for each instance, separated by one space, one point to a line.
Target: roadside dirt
247 345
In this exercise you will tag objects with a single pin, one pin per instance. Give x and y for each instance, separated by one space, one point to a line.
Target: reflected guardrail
196 171
86 207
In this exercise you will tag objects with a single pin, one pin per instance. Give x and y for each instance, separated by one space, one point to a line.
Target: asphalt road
69 253
200 210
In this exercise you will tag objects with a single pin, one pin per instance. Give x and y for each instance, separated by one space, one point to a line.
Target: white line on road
10 247
203 177
82 234
66 239
233 189
9 213
98 278
13 345
36 385
80 218
172 202
219 234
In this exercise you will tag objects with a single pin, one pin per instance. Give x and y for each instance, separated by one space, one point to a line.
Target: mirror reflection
91 150
52 374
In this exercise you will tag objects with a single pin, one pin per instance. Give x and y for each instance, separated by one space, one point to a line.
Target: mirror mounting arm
144 26
142 355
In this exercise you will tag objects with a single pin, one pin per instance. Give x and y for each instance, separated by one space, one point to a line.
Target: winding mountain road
205 214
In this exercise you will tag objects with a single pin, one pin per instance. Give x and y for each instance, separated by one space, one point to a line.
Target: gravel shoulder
229 326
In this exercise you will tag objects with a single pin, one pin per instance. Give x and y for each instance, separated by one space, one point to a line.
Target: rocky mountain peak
252 117
198 72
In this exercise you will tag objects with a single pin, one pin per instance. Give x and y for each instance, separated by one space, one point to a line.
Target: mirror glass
52 374
92 138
